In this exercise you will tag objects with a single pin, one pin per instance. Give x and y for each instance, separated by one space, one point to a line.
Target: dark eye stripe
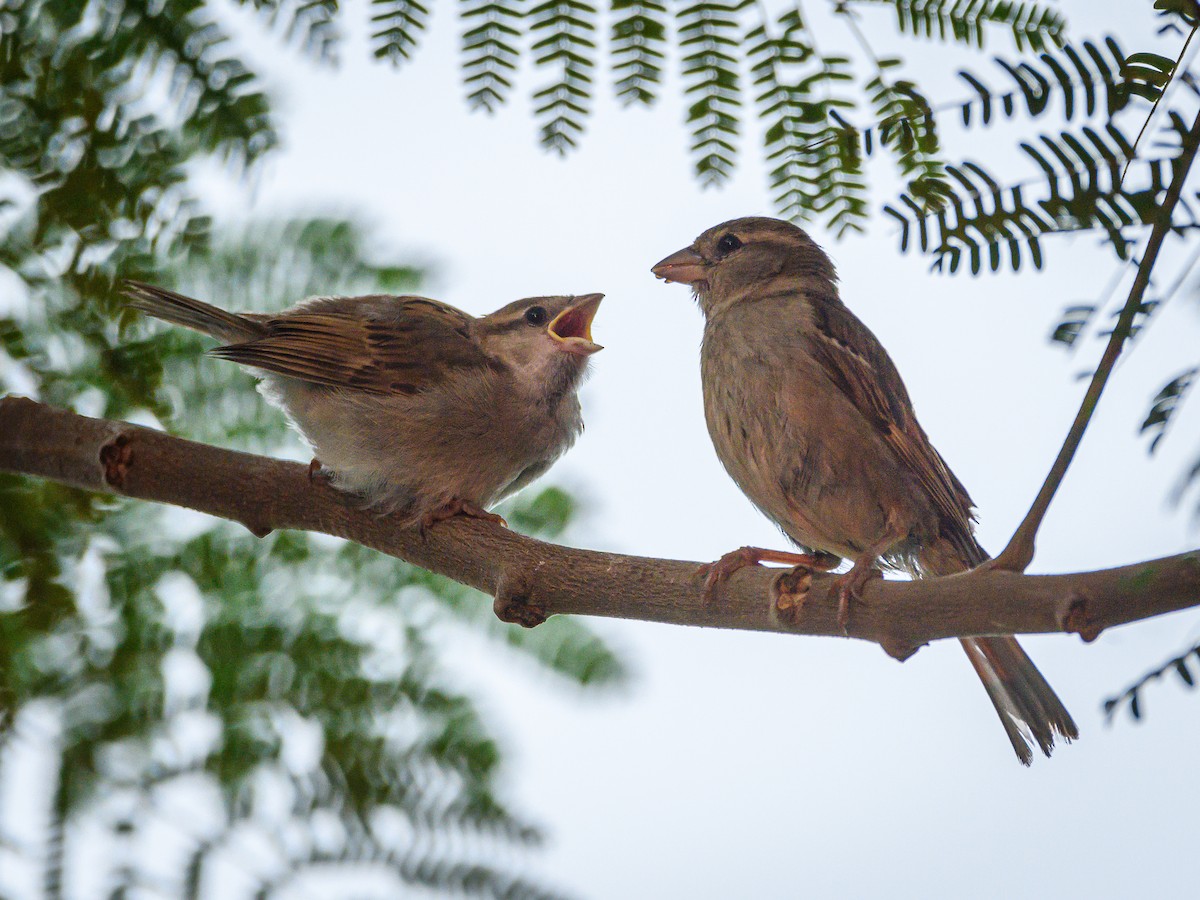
511 325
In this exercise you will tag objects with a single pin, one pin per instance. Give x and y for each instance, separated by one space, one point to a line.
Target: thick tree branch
531 579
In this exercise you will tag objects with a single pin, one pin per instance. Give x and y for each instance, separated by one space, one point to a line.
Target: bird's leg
460 507
849 585
717 572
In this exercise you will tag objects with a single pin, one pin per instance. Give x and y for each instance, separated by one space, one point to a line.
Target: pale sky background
758 765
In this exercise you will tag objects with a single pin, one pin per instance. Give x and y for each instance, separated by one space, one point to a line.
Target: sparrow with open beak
415 407
811 419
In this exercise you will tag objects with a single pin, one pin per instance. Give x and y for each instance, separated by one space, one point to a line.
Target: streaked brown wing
373 344
857 363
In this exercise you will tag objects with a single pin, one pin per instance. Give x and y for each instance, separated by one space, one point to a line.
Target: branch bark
532 579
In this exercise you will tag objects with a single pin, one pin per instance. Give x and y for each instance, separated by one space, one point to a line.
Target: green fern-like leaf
638 39
311 24
1033 26
708 38
490 44
1086 187
814 155
1131 695
563 39
225 112
1071 324
397 26
1177 16
1087 79
1165 404
1147 75
907 127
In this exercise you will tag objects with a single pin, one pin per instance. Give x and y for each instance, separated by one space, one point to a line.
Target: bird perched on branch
417 408
809 416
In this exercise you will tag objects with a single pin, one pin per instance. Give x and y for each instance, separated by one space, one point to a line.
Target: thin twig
1158 102
1019 552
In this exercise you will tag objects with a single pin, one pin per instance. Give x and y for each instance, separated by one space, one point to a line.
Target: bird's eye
728 243
536 315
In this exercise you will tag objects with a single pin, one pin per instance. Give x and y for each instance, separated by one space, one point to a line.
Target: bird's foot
850 585
460 507
716 573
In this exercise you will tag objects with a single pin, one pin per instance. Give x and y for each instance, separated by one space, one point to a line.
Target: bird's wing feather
857 364
399 345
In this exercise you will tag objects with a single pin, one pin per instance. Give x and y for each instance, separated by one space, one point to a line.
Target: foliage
1131 697
174 655
195 653
1084 171
1034 27
807 100
103 105
397 24
638 40
815 155
824 113
1165 404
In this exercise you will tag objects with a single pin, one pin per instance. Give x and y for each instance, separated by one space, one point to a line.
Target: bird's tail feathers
195 314
1028 708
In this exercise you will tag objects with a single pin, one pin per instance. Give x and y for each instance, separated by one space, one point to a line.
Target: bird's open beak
572 327
685 266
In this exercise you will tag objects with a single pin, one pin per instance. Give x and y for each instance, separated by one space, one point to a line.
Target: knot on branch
513 603
899 649
789 590
116 457
1077 620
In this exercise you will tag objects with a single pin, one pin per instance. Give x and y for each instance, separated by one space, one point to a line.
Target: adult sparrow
417 408
809 416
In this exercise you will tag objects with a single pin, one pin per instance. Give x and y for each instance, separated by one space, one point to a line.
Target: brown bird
809 416
417 408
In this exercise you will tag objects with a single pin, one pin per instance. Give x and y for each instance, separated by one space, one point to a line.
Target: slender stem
848 16
1019 552
1158 102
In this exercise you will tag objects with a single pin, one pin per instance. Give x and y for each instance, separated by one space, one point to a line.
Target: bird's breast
774 447
744 415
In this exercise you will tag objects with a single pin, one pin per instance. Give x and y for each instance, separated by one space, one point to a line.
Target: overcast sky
764 765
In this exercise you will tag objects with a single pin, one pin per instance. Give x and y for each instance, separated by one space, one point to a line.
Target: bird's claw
717 572
848 588
460 507
478 512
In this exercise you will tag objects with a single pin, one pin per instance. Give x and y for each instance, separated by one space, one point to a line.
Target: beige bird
810 417
417 408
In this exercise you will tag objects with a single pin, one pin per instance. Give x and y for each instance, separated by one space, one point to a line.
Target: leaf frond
564 41
1033 26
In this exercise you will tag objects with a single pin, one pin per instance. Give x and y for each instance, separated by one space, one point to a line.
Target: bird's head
742 259
540 335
